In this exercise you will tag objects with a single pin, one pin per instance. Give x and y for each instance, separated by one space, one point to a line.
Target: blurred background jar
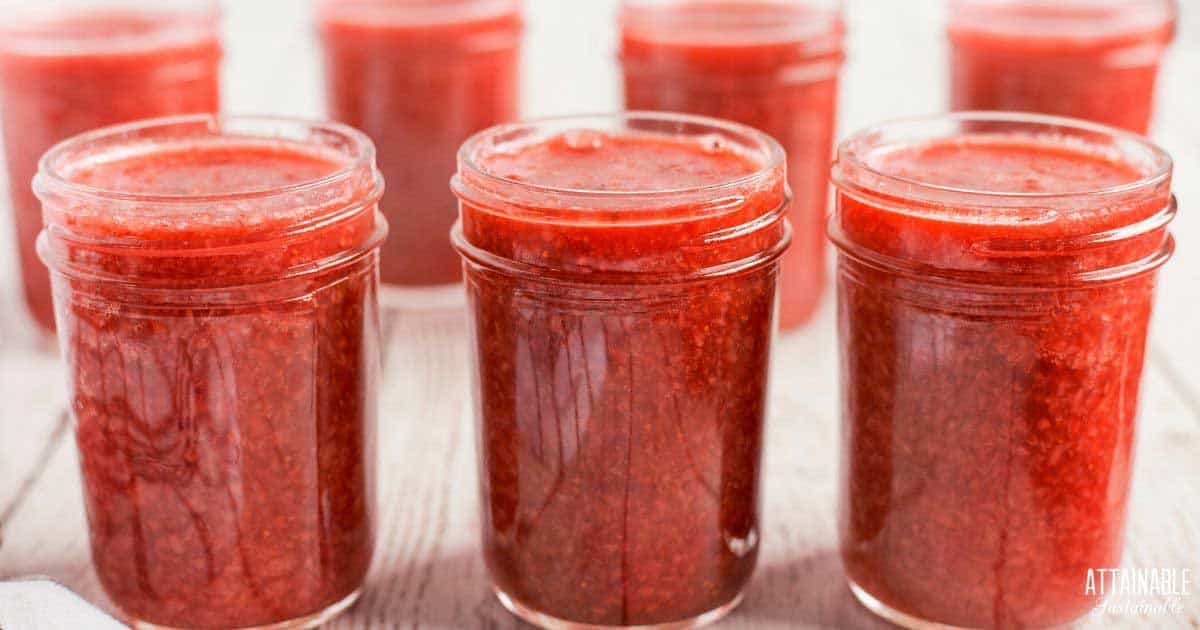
419 77
68 66
1092 59
769 64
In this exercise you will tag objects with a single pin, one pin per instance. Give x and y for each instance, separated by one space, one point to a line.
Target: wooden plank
49 538
33 424
23 604
1163 530
40 458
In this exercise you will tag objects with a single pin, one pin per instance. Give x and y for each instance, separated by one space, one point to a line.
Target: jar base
893 616
299 623
542 620
439 297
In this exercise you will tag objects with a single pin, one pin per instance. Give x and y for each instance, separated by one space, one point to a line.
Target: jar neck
1131 32
187 68
999 240
110 30
416 11
791 41
673 241
1002 197
308 249
671 224
113 229
421 28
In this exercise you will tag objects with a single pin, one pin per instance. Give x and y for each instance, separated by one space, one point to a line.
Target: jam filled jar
995 278
769 64
621 280
215 288
74 65
419 77
1091 59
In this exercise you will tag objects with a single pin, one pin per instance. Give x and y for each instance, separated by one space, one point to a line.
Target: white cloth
40 604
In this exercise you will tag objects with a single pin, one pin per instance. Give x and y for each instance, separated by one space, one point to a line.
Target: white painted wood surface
428 572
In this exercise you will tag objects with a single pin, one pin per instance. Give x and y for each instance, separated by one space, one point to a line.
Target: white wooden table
428 571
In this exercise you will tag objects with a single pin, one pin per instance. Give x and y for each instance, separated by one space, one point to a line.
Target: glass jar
215 287
995 279
621 278
458 74
68 66
769 64
1091 59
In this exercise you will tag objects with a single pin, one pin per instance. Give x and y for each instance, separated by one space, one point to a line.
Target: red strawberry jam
63 72
420 76
215 287
1096 60
995 282
770 64
621 275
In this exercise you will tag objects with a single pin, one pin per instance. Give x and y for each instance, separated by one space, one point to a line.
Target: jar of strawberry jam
420 77
1091 59
769 64
621 278
996 274
69 66
215 288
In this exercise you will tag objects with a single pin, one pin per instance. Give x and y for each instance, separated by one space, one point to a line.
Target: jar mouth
107 26
1058 18
750 142
542 273
417 11
340 142
853 162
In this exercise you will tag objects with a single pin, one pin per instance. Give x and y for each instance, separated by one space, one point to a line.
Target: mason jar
215 286
996 273
621 277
